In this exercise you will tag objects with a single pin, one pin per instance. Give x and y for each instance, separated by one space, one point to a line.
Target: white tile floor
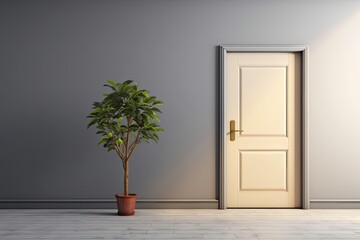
180 224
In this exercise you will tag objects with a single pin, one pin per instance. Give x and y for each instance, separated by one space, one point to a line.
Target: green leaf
158 103
159 129
155 109
92 122
119 141
103 139
107 85
112 83
127 82
150 99
154 116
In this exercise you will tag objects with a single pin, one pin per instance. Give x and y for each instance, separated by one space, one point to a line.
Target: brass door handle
233 131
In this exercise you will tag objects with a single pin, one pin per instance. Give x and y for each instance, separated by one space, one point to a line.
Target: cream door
263 162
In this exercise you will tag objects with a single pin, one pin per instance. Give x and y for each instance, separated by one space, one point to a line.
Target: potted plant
125 118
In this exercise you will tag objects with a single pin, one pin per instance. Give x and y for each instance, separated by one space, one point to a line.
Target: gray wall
55 56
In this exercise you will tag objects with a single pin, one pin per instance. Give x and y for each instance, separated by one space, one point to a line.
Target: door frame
304 51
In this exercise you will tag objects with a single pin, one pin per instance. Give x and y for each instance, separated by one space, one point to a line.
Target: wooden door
263 162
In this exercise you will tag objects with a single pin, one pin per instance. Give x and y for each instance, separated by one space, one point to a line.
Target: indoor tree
126 117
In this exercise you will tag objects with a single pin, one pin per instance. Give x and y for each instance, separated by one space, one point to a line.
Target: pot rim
131 195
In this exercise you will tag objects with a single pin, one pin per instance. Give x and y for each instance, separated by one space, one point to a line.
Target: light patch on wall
335 110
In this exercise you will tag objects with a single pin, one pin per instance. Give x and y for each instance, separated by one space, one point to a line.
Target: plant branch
136 139
129 120
123 145
118 151
117 148
134 144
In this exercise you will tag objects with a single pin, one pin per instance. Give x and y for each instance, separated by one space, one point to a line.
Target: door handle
233 131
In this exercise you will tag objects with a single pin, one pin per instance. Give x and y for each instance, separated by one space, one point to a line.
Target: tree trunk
126 179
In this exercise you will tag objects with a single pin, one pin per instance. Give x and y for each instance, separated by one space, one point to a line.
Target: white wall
335 110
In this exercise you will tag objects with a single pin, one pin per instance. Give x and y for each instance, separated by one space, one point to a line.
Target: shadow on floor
98 213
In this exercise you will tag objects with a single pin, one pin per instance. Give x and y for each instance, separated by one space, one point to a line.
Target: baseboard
153 204
107 203
335 203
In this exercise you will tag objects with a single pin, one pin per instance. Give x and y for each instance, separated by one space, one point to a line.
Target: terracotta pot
126 204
